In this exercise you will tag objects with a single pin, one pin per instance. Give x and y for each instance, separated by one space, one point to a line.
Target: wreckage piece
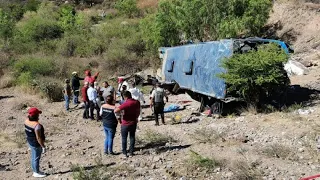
194 68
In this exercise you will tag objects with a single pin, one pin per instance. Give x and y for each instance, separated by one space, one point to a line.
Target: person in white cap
75 86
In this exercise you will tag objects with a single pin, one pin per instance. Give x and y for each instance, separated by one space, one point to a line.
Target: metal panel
206 58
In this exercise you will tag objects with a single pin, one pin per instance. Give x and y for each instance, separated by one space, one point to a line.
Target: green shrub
25 79
127 7
34 66
199 161
256 74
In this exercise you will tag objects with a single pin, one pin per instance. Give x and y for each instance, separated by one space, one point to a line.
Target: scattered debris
295 68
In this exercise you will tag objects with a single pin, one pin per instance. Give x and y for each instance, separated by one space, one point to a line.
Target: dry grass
144 4
6 80
250 109
278 151
151 137
243 170
208 135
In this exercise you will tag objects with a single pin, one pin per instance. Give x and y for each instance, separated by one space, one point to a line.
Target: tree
205 20
256 74
6 25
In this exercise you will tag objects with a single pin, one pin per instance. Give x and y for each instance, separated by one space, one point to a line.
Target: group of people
127 114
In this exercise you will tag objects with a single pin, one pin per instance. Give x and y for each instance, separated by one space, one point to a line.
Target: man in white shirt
92 96
137 95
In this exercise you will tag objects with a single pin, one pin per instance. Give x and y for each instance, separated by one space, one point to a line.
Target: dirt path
273 146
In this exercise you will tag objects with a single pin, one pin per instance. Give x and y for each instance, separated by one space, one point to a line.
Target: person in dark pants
109 122
35 138
157 102
85 100
92 96
75 86
131 111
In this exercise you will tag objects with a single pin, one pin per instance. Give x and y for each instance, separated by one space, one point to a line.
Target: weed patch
80 173
151 138
242 170
278 151
207 135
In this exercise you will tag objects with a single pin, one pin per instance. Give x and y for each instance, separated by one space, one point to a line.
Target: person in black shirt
75 85
110 122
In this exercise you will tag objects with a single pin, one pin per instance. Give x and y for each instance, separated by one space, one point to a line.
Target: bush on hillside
178 20
35 66
256 74
128 8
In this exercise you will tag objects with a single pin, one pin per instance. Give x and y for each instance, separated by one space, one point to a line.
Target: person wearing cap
35 138
67 93
89 78
75 86
121 83
85 100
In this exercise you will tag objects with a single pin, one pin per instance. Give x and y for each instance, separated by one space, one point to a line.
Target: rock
153 166
11 118
183 178
295 68
216 170
156 158
301 150
313 167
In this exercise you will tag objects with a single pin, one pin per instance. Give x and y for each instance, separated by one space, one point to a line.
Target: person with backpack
35 138
158 103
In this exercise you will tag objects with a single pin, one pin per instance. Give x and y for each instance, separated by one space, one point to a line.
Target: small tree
256 74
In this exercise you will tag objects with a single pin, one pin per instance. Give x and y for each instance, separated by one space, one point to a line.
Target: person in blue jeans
67 93
109 121
131 112
75 85
35 138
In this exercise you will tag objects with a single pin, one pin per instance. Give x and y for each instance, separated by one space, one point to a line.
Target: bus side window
188 67
170 66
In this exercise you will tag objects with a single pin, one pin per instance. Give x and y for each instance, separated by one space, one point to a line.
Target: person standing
108 90
131 111
109 122
137 95
75 86
85 100
121 84
89 78
157 102
67 93
92 96
35 138
99 94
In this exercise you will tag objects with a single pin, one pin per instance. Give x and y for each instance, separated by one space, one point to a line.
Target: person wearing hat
35 138
75 86
89 78
67 93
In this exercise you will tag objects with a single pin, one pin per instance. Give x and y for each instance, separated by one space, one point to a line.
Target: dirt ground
277 145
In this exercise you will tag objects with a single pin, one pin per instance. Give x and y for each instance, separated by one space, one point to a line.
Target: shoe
131 155
164 123
157 124
112 153
39 175
105 153
124 156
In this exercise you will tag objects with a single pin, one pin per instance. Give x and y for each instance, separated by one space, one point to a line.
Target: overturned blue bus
193 68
